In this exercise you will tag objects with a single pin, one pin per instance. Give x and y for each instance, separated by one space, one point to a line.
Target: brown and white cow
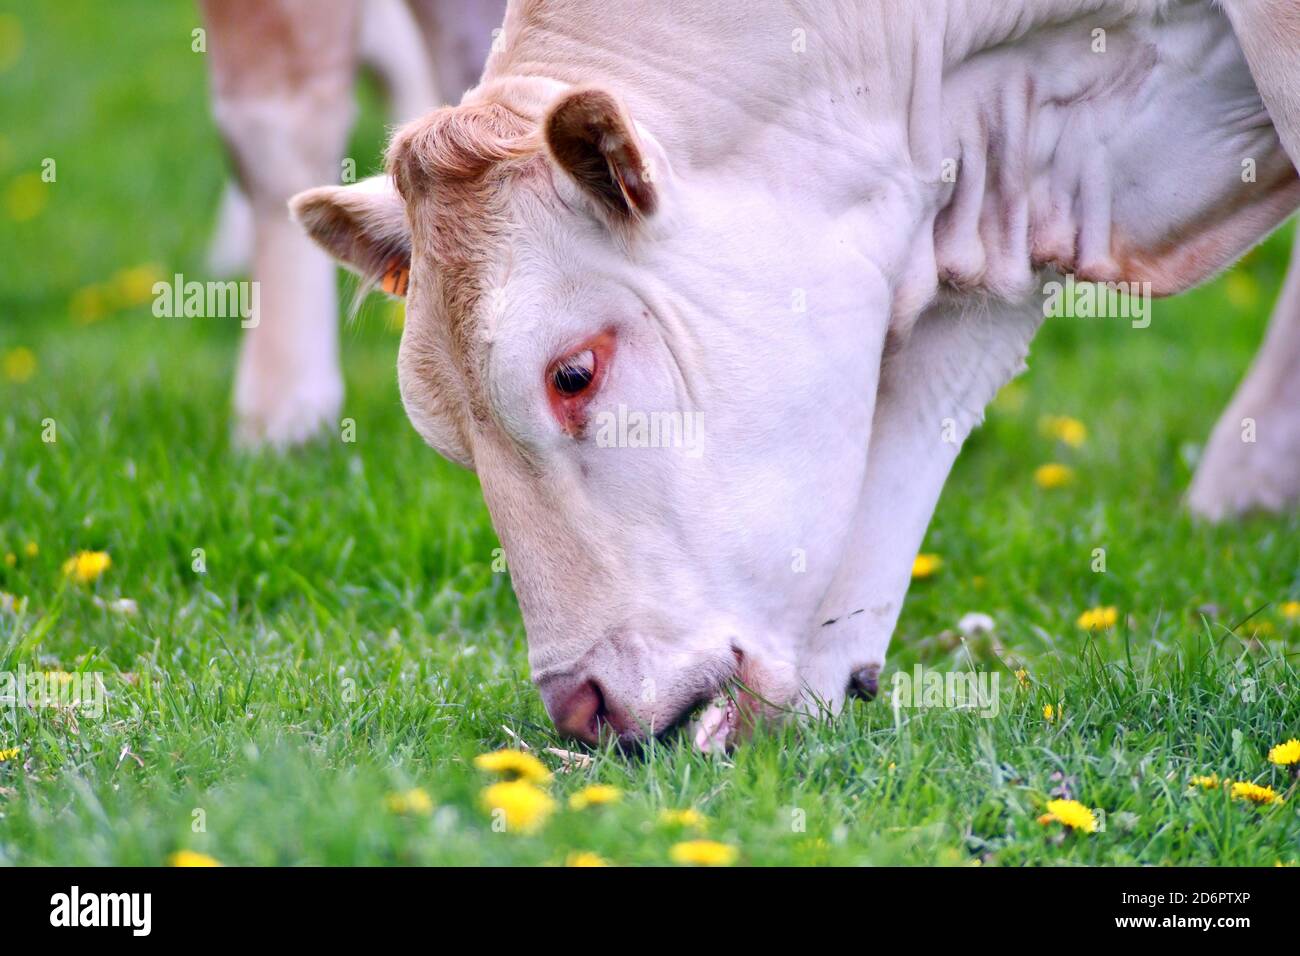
738 216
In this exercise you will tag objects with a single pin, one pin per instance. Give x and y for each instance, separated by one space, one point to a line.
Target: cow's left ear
363 226
590 136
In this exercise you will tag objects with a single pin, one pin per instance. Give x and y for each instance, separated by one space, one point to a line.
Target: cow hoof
1235 481
864 684
1251 461
288 421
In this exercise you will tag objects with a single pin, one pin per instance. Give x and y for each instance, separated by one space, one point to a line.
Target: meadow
303 653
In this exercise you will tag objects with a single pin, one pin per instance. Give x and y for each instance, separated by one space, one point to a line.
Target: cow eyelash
574 374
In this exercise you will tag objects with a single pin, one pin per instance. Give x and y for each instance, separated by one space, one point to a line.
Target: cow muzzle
583 707
588 705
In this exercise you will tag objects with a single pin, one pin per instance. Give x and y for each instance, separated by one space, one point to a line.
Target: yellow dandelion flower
11 603
409 802
925 565
1065 429
1049 712
585 858
1072 813
1243 790
703 853
1022 677
1290 610
1098 618
135 286
690 817
86 566
11 40
598 794
191 858
10 754
520 805
19 364
1053 475
514 764
1210 782
1285 755
31 549
26 196
1241 289
10 559
89 304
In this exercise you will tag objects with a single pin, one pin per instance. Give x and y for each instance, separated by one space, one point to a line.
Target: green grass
350 639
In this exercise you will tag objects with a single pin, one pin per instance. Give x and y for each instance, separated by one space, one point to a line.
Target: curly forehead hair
455 160
454 168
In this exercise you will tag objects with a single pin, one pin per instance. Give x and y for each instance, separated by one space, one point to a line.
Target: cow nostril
582 713
601 714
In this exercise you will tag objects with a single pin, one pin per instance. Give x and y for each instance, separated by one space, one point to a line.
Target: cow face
670 441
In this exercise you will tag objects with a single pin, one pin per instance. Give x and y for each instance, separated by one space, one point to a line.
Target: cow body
824 228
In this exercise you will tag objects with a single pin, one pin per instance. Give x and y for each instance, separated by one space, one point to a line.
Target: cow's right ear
590 136
364 226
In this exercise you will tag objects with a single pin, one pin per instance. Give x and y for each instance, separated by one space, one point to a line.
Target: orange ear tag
395 280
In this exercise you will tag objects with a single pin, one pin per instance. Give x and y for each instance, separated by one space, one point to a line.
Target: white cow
815 234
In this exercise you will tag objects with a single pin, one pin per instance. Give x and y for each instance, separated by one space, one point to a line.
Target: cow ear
590 136
364 226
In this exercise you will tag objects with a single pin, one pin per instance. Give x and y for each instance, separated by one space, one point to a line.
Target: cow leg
282 74
458 34
232 239
393 47
933 391
1269 34
1252 460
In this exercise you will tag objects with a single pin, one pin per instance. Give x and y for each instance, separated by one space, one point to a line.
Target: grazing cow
282 78
818 233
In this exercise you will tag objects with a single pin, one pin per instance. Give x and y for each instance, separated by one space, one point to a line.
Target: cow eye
573 374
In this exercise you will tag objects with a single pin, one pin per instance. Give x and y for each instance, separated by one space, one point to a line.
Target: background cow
282 80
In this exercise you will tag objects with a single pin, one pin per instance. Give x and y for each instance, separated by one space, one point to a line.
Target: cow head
669 447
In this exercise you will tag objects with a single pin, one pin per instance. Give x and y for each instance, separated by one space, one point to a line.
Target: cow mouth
720 707
721 716
717 729
715 688
728 713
